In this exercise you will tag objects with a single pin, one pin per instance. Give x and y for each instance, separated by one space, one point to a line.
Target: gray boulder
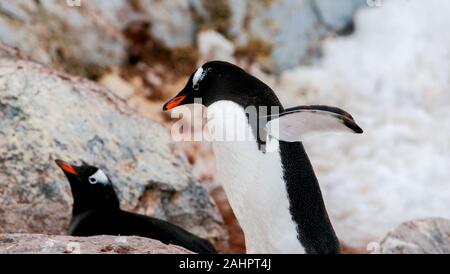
171 21
85 38
79 39
427 236
293 28
337 15
46 115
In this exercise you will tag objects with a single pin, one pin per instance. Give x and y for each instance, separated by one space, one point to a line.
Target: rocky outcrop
79 39
43 244
84 36
46 115
293 29
427 236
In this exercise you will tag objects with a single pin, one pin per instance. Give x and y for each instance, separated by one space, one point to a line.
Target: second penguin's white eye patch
199 75
99 177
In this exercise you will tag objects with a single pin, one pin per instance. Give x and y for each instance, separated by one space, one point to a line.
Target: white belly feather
253 182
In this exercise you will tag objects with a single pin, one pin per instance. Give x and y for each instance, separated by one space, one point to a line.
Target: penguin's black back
307 207
119 222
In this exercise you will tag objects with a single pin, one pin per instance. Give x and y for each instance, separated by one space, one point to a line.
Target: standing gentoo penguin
96 211
268 177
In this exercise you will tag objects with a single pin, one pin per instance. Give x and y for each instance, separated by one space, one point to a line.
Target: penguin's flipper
294 123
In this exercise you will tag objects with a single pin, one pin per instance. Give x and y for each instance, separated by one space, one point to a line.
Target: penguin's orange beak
175 102
66 167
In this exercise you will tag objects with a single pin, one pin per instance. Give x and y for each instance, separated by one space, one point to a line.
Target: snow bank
393 75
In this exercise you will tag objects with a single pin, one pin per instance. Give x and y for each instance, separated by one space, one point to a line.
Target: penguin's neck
253 181
83 202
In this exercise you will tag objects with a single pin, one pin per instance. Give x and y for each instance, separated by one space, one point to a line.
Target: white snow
393 76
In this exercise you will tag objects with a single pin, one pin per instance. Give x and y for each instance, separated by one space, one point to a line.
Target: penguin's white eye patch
99 177
199 75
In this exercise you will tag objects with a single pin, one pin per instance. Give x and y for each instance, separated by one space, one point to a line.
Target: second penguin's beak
66 167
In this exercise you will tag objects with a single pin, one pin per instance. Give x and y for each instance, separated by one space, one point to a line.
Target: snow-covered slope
393 75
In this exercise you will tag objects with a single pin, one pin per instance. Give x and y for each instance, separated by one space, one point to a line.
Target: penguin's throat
228 122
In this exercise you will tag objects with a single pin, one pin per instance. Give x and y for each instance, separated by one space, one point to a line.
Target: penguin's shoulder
94 222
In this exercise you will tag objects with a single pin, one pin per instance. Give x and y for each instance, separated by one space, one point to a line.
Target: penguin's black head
91 187
218 80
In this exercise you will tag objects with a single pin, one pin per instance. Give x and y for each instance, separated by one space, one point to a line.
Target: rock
75 38
46 115
117 13
114 82
293 28
337 15
88 37
427 236
43 244
172 21
214 46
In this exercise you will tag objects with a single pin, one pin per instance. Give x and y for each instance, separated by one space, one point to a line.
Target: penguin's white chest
253 182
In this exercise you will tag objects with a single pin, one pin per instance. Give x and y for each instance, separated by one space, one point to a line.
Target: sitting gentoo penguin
267 175
96 211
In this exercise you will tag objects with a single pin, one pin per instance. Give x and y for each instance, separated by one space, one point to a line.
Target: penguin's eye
92 180
196 86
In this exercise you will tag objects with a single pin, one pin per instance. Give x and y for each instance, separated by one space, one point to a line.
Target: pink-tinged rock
427 236
43 244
